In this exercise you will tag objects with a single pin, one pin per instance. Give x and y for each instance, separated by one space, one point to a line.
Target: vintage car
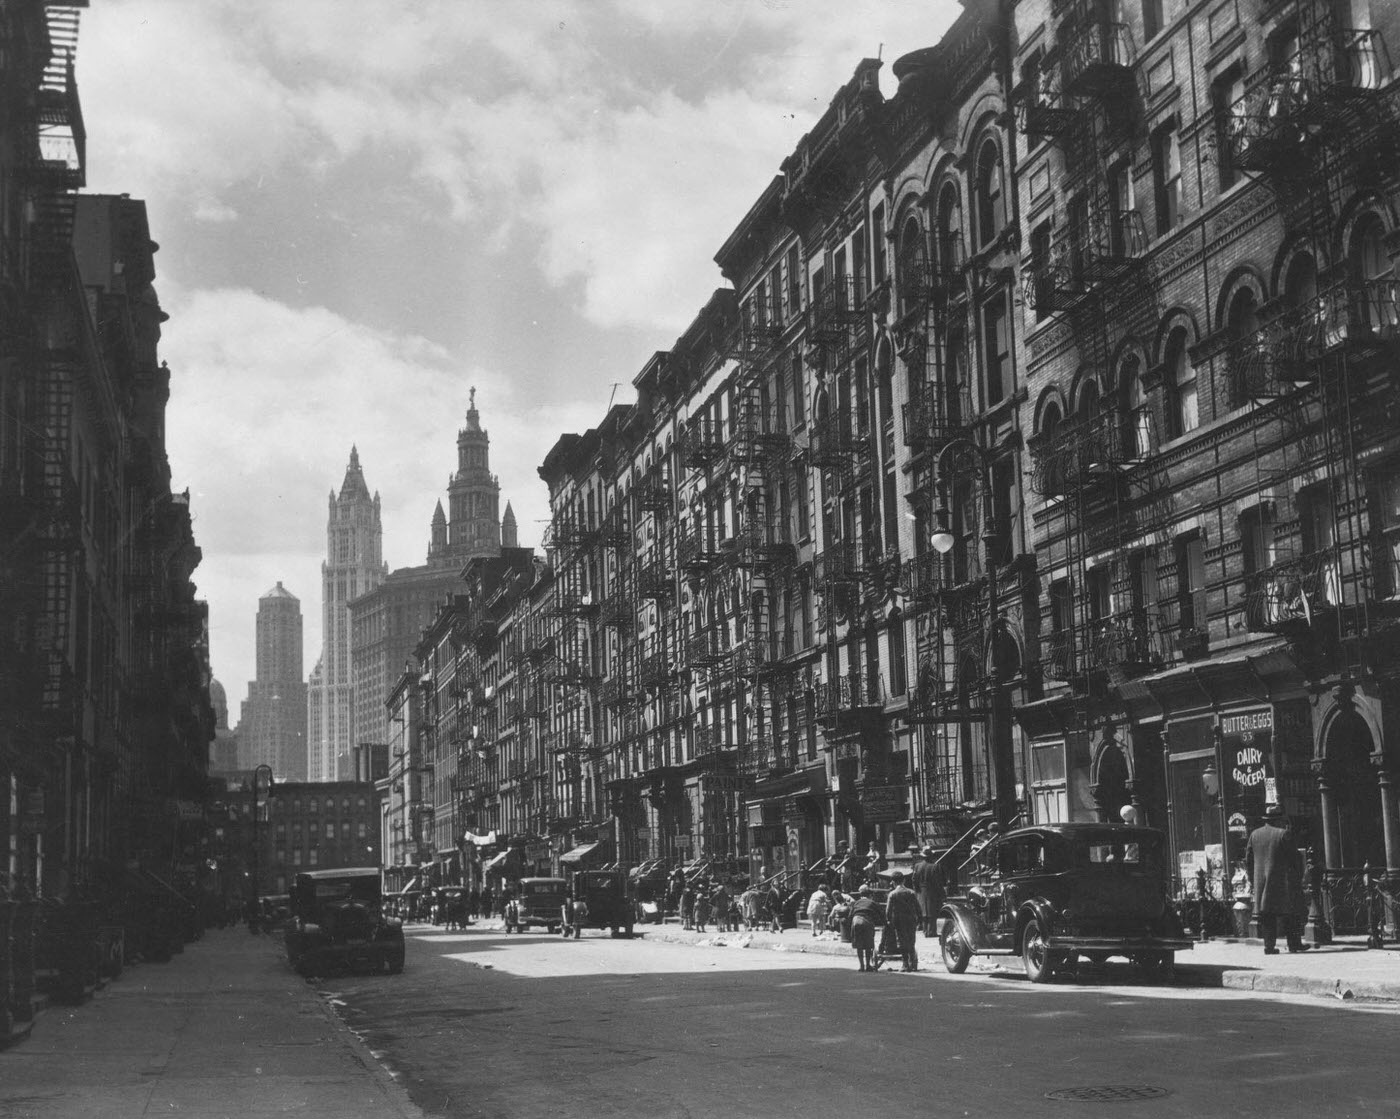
536 902
608 899
1055 892
337 924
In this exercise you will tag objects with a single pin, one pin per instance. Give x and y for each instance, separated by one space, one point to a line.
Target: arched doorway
1355 793
1111 777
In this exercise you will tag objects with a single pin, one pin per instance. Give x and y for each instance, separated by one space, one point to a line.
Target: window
1125 236
1385 503
794 283
1006 498
1151 18
1227 98
313 805
997 339
1256 539
330 829
1183 415
877 233
1142 581
899 676
799 408
775 293
991 200
1319 526
1166 171
1191 582
1050 476
1371 265
1100 592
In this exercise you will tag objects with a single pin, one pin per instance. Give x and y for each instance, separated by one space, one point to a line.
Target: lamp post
942 540
254 915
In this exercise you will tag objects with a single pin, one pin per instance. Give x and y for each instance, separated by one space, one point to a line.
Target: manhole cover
1108 1093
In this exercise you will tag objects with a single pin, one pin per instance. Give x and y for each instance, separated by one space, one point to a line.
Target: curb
1188 975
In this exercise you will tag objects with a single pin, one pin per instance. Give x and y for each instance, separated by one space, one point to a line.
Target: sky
367 207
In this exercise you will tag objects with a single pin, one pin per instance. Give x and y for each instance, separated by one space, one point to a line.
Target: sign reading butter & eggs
1246 740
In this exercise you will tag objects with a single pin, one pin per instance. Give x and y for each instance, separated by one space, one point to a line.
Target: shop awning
496 863
579 854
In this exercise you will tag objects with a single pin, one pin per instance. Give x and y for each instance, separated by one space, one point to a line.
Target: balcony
1287 597
1058 656
836 317
1085 455
571 530
923 282
654 581
750 443
1128 644
697 549
755 341
574 602
653 492
840 563
845 704
709 742
935 416
1326 94
761 757
656 670
754 548
701 444
1096 54
616 529
1041 112
924 577
618 691
709 648
837 442
1098 255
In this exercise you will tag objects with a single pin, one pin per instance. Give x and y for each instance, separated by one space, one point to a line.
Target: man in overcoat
928 885
1275 868
903 914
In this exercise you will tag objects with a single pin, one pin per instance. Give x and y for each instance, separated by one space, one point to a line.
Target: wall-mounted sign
1246 741
882 804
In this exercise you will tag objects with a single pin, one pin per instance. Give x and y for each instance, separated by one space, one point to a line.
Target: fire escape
1318 124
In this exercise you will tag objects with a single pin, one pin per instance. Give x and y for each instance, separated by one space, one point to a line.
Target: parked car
338 925
1055 892
609 901
537 902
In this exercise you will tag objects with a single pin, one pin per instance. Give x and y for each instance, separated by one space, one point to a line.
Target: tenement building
1038 464
105 712
1207 193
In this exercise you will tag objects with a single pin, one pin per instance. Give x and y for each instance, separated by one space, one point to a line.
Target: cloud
266 401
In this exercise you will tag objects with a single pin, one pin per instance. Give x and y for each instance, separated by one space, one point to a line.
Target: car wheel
1157 967
1036 954
956 953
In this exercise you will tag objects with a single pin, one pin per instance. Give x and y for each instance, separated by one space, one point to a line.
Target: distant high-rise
272 727
223 753
388 621
354 566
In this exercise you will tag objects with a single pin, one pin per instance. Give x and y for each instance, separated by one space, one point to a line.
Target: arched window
1183 414
1300 283
991 197
1137 410
1250 370
949 227
1372 269
1088 401
913 265
1049 472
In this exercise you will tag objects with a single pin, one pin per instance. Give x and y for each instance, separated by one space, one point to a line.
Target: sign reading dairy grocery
1247 745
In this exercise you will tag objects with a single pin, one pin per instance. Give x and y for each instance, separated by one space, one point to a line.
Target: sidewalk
223 1030
1341 970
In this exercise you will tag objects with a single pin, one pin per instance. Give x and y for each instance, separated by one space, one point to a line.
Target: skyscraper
272 726
354 566
389 620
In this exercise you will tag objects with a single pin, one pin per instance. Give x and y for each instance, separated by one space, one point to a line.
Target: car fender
1038 909
971 926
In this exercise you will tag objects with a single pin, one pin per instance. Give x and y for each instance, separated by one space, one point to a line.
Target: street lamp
942 539
258 773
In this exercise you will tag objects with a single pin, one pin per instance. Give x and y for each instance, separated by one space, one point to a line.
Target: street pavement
1346 969
227 1029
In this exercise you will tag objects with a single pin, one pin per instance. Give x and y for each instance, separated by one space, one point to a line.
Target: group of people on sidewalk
902 916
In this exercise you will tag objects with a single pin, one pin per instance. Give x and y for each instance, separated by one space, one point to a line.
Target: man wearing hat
903 914
928 886
1275 869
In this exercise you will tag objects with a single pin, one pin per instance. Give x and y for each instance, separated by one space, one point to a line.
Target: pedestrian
748 906
775 908
1275 868
702 906
486 910
873 859
719 907
474 902
904 914
847 867
818 908
865 917
675 891
687 904
928 885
